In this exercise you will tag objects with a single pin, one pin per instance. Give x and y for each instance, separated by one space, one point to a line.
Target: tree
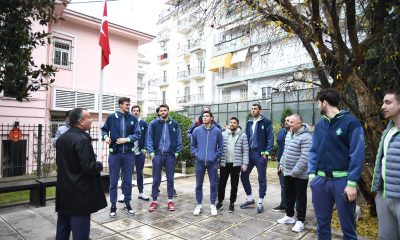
354 46
18 73
286 112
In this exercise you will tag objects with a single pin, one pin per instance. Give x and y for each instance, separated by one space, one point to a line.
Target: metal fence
30 152
299 101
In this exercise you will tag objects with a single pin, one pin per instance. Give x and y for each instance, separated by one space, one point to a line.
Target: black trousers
225 172
296 192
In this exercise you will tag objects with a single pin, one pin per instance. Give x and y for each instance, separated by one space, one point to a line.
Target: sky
141 15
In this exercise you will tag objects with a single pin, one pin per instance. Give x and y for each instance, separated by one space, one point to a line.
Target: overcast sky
141 15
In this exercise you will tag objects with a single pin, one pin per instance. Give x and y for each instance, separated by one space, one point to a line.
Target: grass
22 196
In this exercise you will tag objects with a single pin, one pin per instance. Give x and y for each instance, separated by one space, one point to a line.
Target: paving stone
221 222
286 229
248 228
114 237
148 217
267 235
192 233
169 225
143 232
7 232
190 218
167 237
98 231
219 236
123 224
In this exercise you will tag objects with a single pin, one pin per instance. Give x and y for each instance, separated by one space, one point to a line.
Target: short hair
298 116
157 109
330 95
210 113
164 106
257 105
234 118
396 92
123 99
135 106
75 115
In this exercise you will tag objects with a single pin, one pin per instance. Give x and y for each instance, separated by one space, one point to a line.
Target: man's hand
244 167
280 169
108 140
351 193
121 140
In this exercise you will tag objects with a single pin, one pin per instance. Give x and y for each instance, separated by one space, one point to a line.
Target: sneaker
113 212
260 208
171 206
214 211
219 207
278 209
231 208
143 197
153 206
175 194
197 210
286 220
298 227
129 209
121 198
247 204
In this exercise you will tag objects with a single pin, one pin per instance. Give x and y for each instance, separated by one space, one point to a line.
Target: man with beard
335 163
387 170
234 159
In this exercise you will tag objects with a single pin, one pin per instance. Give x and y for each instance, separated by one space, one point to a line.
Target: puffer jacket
295 156
390 185
241 151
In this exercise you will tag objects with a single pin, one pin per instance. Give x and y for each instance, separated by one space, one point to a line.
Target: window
186 94
140 96
264 61
269 92
264 92
62 53
140 80
243 94
226 95
164 100
164 76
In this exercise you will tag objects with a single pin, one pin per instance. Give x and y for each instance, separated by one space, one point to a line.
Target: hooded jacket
207 145
264 135
155 133
241 151
295 155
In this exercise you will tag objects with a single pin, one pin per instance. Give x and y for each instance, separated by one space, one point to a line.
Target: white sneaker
197 210
286 220
121 198
214 211
298 227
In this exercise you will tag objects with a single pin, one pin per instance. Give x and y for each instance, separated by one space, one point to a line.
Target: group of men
331 158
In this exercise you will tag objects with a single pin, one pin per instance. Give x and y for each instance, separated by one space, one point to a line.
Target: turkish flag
104 41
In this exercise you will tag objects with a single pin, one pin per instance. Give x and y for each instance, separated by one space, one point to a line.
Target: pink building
76 54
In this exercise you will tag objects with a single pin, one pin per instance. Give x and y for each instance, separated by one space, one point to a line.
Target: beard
322 112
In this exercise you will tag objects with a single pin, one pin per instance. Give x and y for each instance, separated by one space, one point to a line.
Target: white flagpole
99 141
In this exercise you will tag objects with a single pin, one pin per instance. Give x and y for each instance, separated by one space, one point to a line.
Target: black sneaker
278 209
113 212
219 206
128 209
231 208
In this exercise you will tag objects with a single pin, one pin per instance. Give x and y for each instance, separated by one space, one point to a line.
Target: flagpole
99 140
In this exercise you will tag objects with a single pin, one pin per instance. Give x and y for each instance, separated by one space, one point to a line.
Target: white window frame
64 60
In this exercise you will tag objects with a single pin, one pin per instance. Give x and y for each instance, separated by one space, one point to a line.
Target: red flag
104 41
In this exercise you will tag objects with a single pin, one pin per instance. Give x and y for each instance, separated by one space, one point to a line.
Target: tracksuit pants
139 163
388 210
296 192
212 170
325 193
79 225
168 162
116 163
282 183
257 160
225 172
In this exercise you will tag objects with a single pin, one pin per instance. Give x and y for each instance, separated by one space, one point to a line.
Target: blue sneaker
260 208
247 204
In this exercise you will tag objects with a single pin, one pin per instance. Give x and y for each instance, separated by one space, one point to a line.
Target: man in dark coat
79 191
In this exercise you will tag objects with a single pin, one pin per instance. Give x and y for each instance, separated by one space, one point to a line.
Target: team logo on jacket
339 131
143 128
173 129
132 122
262 127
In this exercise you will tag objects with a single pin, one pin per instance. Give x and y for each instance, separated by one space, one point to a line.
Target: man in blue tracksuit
120 131
334 166
387 170
164 143
206 145
261 140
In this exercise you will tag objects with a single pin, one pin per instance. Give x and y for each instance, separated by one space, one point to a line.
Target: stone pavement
27 222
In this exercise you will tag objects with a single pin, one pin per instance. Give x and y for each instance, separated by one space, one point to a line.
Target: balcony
186 23
183 76
159 102
199 45
197 73
163 59
165 14
163 35
183 50
162 82
191 99
141 84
